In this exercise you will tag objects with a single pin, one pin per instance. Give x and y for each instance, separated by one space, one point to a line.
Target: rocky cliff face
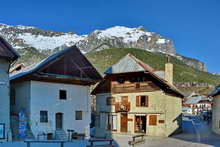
31 39
194 63
123 37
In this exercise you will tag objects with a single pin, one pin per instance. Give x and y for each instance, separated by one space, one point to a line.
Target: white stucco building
7 57
54 96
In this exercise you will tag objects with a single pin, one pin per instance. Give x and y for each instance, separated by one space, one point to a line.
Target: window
112 122
78 115
43 116
110 101
142 101
63 94
153 120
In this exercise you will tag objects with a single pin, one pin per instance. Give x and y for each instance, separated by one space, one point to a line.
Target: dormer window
63 94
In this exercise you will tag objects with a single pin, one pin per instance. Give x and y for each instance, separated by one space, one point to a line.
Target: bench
78 136
137 139
94 141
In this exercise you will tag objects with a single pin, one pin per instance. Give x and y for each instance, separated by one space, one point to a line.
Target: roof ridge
5 45
141 63
35 66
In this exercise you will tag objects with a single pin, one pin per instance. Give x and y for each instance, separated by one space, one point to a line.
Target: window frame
62 96
110 122
43 117
81 116
138 101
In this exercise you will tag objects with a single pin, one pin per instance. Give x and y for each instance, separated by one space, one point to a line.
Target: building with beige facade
134 98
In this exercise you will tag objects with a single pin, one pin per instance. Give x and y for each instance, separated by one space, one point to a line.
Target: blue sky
193 25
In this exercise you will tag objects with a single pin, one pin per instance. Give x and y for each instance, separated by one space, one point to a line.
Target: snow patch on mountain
128 34
161 41
46 42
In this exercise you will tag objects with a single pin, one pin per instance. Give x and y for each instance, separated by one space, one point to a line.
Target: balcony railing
132 87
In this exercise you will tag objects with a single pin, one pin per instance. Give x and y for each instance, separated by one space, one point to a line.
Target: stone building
53 96
216 110
134 98
7 56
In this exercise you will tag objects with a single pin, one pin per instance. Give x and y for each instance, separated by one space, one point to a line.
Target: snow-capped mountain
118 37
28 39
25 36
124 37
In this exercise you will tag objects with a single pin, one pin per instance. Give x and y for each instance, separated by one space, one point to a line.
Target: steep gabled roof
72 63
6 50
129 63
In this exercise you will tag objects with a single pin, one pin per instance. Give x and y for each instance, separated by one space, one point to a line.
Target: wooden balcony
133 87
122 107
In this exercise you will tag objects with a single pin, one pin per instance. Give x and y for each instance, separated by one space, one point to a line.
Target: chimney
169 71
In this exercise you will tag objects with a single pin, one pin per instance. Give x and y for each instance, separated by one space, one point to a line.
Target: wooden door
59 120
124 122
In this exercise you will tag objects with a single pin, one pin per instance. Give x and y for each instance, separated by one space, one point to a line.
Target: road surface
197 130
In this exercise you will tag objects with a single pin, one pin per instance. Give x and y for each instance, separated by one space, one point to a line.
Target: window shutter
146 101
153 120
137 101
110 101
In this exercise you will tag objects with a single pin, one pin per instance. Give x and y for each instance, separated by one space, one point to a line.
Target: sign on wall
2 131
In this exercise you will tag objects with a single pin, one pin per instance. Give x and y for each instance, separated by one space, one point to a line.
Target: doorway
59 120
140 124
124 122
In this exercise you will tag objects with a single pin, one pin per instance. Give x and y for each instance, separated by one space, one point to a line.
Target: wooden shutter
153 120
138 101
110 101
146 101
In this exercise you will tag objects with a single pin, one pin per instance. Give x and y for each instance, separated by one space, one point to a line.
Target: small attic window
120 80
62 94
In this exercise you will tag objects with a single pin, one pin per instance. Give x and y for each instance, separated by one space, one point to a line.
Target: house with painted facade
215 94
133 98
53 96
7 56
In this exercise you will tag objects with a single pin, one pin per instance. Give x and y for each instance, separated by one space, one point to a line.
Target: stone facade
166 107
